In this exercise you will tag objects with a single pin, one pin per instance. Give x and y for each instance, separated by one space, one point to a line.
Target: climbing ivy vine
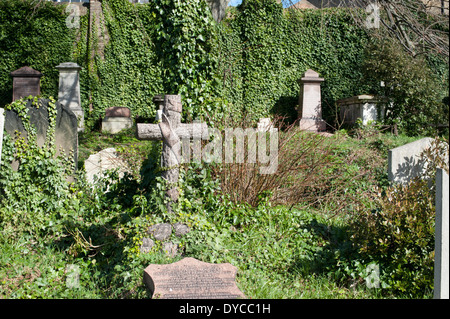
185 38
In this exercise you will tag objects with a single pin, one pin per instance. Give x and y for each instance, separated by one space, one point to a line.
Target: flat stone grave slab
190 278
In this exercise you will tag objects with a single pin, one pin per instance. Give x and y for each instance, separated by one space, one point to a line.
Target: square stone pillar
69 90
310 103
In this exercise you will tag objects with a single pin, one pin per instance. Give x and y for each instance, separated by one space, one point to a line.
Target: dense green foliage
265 51
336 214
415 90
36 37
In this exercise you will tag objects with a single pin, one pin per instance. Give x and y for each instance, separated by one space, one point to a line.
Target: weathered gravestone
441 255
310 102
116 119
173 133
26 82
69 90
97 164
404 162
66 135
190 278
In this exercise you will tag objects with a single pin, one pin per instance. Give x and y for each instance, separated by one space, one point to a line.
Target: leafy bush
398 235
413 90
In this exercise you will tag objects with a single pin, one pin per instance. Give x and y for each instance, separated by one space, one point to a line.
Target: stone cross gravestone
26 82
2 125
69 90
172 132
310 103
190 278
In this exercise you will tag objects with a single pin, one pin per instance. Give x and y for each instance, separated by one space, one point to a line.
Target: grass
284 251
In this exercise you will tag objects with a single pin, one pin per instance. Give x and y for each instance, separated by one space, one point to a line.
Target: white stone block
404 162
114 125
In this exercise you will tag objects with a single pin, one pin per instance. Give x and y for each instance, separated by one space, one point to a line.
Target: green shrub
411 87
398 235
35 198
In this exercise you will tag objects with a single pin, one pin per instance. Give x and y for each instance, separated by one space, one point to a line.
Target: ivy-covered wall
34 36
267 49
248 65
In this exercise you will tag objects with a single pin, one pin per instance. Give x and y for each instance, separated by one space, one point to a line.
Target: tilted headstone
190 278
441 252
66 135
69 90
116 119
171 131
97 164
310 102
2 125
404 162
26 82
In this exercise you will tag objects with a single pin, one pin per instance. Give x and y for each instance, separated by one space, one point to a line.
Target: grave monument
69 90
404 162
2 125
66 135
441 261
310 103
190 278
116 119
26 82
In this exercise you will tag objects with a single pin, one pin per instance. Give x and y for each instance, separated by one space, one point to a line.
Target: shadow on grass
334 252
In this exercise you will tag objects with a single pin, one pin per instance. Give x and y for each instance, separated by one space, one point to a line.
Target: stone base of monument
114 125
190 278
162 232
311 124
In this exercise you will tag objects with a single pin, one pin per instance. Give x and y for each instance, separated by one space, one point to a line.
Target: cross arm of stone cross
154 132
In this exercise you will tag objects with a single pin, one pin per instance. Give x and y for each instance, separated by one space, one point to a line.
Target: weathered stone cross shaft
172 132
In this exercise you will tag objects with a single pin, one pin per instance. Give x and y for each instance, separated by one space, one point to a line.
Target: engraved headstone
190 278
26 82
